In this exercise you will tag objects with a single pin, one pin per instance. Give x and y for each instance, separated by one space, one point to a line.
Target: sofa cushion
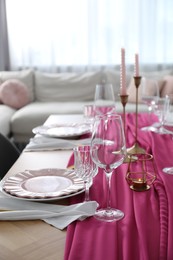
66 86
151 91
26 76
14 93
113 77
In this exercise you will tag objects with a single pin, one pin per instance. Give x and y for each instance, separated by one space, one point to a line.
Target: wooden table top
26 240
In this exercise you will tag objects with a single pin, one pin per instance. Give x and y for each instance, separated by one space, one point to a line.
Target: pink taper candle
136 70
123 90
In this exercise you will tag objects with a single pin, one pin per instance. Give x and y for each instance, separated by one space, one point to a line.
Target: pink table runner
146 231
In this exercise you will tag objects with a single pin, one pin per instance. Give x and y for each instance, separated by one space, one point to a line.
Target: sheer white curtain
4 55
63 35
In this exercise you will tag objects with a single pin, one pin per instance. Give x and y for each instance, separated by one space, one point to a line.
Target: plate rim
43 199
71 190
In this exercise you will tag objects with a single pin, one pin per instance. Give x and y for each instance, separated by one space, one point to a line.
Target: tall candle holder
136 149
124 99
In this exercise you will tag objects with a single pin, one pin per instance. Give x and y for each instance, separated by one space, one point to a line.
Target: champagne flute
85 168
108 152
104 101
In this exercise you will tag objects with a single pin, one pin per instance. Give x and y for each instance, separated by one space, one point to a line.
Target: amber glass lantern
141 173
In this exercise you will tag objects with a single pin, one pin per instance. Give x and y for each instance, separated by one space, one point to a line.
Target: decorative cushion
14 93
132 89
25 76
168 86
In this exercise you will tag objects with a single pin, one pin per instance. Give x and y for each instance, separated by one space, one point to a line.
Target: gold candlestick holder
124 99
136 149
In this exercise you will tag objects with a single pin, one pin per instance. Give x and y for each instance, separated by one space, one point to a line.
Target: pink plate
46 184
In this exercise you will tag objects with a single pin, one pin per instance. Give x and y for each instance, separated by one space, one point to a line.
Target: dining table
144 233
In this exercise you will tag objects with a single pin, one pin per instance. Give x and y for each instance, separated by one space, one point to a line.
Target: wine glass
168 122
168 125
104 101
85 168
108 152
89 114
149 96
161 109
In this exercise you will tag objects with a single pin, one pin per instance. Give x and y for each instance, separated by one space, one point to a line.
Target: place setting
59 136
27 196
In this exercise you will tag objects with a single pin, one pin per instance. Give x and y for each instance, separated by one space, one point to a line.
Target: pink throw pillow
14 93
168 86
132 89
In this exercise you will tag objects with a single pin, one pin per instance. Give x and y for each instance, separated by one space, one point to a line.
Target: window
70 34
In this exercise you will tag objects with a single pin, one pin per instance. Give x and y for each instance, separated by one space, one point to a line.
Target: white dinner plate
43 184
63 130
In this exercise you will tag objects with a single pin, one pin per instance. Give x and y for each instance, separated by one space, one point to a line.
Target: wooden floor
31 236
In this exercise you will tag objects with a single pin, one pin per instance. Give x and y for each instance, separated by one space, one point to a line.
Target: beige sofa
59 93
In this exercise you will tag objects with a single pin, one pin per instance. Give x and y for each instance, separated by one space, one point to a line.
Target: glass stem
108 180
161 124
86 191
149 115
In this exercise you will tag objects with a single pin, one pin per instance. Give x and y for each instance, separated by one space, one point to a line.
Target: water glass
85 168
104 99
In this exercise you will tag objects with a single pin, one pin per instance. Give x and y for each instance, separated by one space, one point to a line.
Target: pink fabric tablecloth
146 231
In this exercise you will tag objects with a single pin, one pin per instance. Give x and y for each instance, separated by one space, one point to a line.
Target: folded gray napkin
58 216
41 143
